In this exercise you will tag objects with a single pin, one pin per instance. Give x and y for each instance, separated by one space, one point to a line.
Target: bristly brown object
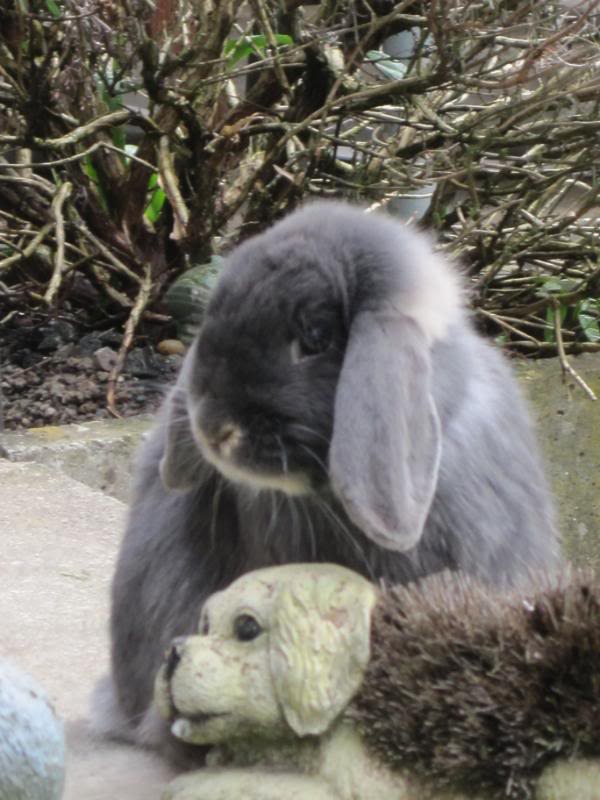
472 691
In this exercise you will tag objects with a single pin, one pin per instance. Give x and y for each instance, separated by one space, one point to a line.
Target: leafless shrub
137 137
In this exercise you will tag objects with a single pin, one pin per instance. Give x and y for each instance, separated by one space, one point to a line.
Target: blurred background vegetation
140 139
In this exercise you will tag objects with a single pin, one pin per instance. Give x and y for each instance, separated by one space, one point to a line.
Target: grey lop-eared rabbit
337 405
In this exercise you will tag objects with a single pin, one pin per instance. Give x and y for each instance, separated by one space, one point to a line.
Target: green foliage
588 314
157 199
550 330
92 173
53 8
237 49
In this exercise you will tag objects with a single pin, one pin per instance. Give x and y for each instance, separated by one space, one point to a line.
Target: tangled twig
182 131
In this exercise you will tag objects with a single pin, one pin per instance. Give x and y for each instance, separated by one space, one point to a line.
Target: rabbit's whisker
296 528
272 524
284 458
311 431
180 415
311 530
341 528
215 511
315 457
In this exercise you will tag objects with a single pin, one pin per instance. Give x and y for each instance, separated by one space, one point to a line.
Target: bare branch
59 226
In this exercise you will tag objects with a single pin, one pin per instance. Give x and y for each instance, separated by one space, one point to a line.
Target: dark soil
53 373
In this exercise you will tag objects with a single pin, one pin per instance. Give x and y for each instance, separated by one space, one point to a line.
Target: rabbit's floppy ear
182 465
319 648
386 445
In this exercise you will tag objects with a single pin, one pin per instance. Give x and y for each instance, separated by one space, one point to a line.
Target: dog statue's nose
173 657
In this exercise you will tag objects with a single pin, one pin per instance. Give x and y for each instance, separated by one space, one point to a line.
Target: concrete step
60 540
97 453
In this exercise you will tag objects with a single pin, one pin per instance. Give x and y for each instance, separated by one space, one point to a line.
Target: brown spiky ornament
310 683
471 691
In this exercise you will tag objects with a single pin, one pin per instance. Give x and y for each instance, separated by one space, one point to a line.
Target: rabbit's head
313 368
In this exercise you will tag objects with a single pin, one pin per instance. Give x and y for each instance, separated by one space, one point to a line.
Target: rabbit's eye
311 340
204 625
246 628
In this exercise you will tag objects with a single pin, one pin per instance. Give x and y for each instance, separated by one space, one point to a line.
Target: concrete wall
569 431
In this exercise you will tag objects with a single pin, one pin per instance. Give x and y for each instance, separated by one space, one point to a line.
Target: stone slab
569 432
97 453
60 540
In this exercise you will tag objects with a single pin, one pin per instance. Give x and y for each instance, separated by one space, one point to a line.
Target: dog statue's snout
173 657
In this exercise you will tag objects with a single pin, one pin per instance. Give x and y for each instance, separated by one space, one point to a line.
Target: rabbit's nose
174 657
225 439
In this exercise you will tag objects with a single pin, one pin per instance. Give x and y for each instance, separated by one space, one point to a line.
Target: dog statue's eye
246 628
312 339
204 625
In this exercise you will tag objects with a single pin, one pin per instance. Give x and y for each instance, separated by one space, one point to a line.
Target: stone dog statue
310 684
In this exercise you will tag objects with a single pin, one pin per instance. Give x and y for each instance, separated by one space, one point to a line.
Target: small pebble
171 347
105 358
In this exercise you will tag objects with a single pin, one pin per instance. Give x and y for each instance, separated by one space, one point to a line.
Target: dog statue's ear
319 648
386 445
182 465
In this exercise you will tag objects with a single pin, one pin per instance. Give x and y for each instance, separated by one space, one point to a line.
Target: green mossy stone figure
188 296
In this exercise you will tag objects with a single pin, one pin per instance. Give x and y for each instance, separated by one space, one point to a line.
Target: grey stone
97 453
105 358
89 343
142 362
55 334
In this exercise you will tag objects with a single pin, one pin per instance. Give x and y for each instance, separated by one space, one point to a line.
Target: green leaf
90 170
157 200
554 286
118 137
587 314
237 49
155 205
114 102
549 331
53 8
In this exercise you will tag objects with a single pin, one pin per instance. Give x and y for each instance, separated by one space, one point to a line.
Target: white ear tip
392 536
390 539
399 544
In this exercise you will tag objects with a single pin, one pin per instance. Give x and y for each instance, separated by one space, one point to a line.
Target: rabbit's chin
295 483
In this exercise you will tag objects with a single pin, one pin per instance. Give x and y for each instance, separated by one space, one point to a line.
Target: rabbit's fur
337 405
